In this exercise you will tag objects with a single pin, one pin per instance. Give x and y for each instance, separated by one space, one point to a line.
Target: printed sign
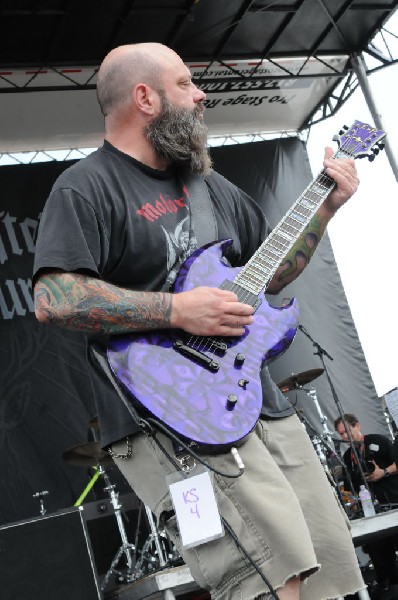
286 91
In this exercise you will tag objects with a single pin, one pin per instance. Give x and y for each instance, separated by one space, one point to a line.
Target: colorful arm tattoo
89 304
302 251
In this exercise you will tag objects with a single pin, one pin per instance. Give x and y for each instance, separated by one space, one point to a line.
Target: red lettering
149 212
162 206
180 202
170 207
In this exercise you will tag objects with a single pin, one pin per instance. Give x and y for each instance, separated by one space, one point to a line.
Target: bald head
126 66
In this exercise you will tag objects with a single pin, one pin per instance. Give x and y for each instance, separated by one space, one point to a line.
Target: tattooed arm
85 303
344 173
89 304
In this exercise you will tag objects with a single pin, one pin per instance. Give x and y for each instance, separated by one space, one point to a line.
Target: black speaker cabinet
47 558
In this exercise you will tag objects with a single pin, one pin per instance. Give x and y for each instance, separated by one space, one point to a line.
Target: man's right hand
211 312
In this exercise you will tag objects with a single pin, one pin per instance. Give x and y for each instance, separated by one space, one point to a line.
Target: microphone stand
321 352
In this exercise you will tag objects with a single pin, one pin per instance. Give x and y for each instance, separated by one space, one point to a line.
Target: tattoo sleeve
300 254
88 304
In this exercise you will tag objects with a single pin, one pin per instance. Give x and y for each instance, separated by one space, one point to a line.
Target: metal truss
39 156
24 158
381 52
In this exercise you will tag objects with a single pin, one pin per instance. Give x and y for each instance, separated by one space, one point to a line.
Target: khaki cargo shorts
283 511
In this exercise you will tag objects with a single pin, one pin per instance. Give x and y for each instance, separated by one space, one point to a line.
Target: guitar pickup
196 356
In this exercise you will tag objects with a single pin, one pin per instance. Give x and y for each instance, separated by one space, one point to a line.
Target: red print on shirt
152 212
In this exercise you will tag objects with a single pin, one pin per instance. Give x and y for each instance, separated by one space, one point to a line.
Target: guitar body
213 407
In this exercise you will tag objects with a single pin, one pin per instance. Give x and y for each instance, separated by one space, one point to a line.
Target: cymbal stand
146 555
321 447
389 422
327 434
126 548
40 496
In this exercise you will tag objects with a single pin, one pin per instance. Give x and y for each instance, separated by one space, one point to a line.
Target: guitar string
323 181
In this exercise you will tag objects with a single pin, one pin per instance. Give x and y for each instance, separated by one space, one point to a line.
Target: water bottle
366 502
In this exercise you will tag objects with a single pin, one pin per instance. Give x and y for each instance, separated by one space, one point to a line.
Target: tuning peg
381 145
371 157
376 151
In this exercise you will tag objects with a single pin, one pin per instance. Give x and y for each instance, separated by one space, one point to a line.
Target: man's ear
146 99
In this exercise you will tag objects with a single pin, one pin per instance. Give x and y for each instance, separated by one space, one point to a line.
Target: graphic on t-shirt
164 205
180 244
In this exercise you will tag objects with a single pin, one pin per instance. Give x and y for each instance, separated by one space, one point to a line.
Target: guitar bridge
196 356
218 347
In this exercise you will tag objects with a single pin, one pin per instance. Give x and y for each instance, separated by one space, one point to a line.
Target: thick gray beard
180 136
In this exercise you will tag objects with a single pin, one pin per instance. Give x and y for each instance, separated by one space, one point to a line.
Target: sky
364 232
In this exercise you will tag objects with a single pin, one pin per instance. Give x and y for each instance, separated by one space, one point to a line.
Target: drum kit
130 562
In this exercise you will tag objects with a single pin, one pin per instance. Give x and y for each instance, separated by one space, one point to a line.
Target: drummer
375 454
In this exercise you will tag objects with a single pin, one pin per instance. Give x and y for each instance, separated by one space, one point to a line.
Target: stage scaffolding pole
358 63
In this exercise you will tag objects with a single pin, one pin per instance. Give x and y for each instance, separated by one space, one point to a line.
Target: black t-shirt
130 225
380 449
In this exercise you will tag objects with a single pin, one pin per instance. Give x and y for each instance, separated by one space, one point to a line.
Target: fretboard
258 272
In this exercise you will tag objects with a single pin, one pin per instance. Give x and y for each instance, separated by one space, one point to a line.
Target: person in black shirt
375 453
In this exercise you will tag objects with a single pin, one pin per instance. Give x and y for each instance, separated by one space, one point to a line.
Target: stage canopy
266 66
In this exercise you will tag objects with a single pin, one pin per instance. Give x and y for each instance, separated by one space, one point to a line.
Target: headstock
360 140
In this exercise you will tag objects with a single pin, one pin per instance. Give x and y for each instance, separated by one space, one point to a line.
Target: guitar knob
231 402
239 359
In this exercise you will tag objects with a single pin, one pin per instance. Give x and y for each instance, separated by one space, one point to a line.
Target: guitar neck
258 272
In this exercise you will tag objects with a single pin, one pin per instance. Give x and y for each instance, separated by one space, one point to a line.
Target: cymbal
87 455
296 381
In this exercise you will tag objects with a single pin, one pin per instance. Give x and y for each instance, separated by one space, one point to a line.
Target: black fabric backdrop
45 399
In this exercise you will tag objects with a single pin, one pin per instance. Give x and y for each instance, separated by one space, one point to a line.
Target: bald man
115 231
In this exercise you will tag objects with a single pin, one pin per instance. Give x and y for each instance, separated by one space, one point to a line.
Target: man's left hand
343 171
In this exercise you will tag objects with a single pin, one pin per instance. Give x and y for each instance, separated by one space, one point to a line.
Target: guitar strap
203 219
204 226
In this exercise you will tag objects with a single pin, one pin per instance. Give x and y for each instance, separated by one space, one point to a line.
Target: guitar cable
149 430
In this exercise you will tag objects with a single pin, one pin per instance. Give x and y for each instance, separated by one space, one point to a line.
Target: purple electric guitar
209 389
